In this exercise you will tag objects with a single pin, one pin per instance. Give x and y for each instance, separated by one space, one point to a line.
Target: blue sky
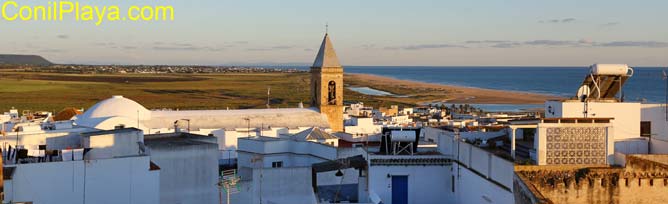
369 32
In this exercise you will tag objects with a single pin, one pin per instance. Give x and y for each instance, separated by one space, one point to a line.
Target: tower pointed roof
326 55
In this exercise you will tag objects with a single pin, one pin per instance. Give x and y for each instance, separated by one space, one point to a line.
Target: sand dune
449 93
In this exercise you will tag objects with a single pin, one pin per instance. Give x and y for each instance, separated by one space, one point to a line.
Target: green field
53 91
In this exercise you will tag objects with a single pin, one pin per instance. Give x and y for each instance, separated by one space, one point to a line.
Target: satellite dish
583 92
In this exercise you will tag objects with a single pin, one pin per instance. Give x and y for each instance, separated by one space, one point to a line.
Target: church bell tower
327 85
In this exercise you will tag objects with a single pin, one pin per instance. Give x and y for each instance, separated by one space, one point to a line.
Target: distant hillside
23 60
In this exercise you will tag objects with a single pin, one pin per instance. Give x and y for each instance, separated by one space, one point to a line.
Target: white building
398 120
112 166
104 171
278 170
13 114
394 176
226 125
358 109
270 152
590 131
362 126
406 111
188 167
410 179
633 123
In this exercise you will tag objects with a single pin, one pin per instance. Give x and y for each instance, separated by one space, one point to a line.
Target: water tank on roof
611 69
402 136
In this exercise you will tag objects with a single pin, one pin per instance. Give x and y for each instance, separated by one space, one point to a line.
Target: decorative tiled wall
576 145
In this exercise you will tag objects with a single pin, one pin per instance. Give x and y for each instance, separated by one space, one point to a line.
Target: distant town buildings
155 69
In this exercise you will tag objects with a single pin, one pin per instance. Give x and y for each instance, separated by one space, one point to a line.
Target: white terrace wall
656 114
188 174
633 146
472 188
426 183
626 116
481 177
282 185
486 164
227 139
256 153
35 182
128 178
658 146
479 160
119 180
481 135
52 139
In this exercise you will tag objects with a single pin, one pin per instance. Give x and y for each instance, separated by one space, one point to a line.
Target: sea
646 84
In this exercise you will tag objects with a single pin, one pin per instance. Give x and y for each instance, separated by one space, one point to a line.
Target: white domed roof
116 106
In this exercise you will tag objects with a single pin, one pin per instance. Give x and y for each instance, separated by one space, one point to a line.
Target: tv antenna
247 119
229 183
268 96
583 94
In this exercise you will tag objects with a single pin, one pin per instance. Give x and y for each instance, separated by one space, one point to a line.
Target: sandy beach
420 92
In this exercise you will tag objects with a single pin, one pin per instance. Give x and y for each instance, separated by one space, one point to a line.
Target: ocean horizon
646 84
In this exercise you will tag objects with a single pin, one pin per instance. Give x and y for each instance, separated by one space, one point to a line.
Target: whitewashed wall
488 165
658 146
426 184
632 146
227 139
119 180
282 185
128 178
188 173
287 146
656 114
254 153
626 116
350 176
494 175
60 139
471 188
55 182
119 144
362 126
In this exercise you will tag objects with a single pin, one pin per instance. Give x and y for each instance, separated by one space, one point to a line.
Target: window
358 145
277 164
646 128
331 93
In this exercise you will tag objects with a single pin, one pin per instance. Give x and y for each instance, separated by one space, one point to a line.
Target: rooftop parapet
643 180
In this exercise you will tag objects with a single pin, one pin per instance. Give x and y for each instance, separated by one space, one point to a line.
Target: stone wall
641 181
320 79
334 116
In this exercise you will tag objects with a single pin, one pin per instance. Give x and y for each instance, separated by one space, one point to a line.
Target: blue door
399 189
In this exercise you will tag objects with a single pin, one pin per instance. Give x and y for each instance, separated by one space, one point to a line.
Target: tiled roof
313 133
